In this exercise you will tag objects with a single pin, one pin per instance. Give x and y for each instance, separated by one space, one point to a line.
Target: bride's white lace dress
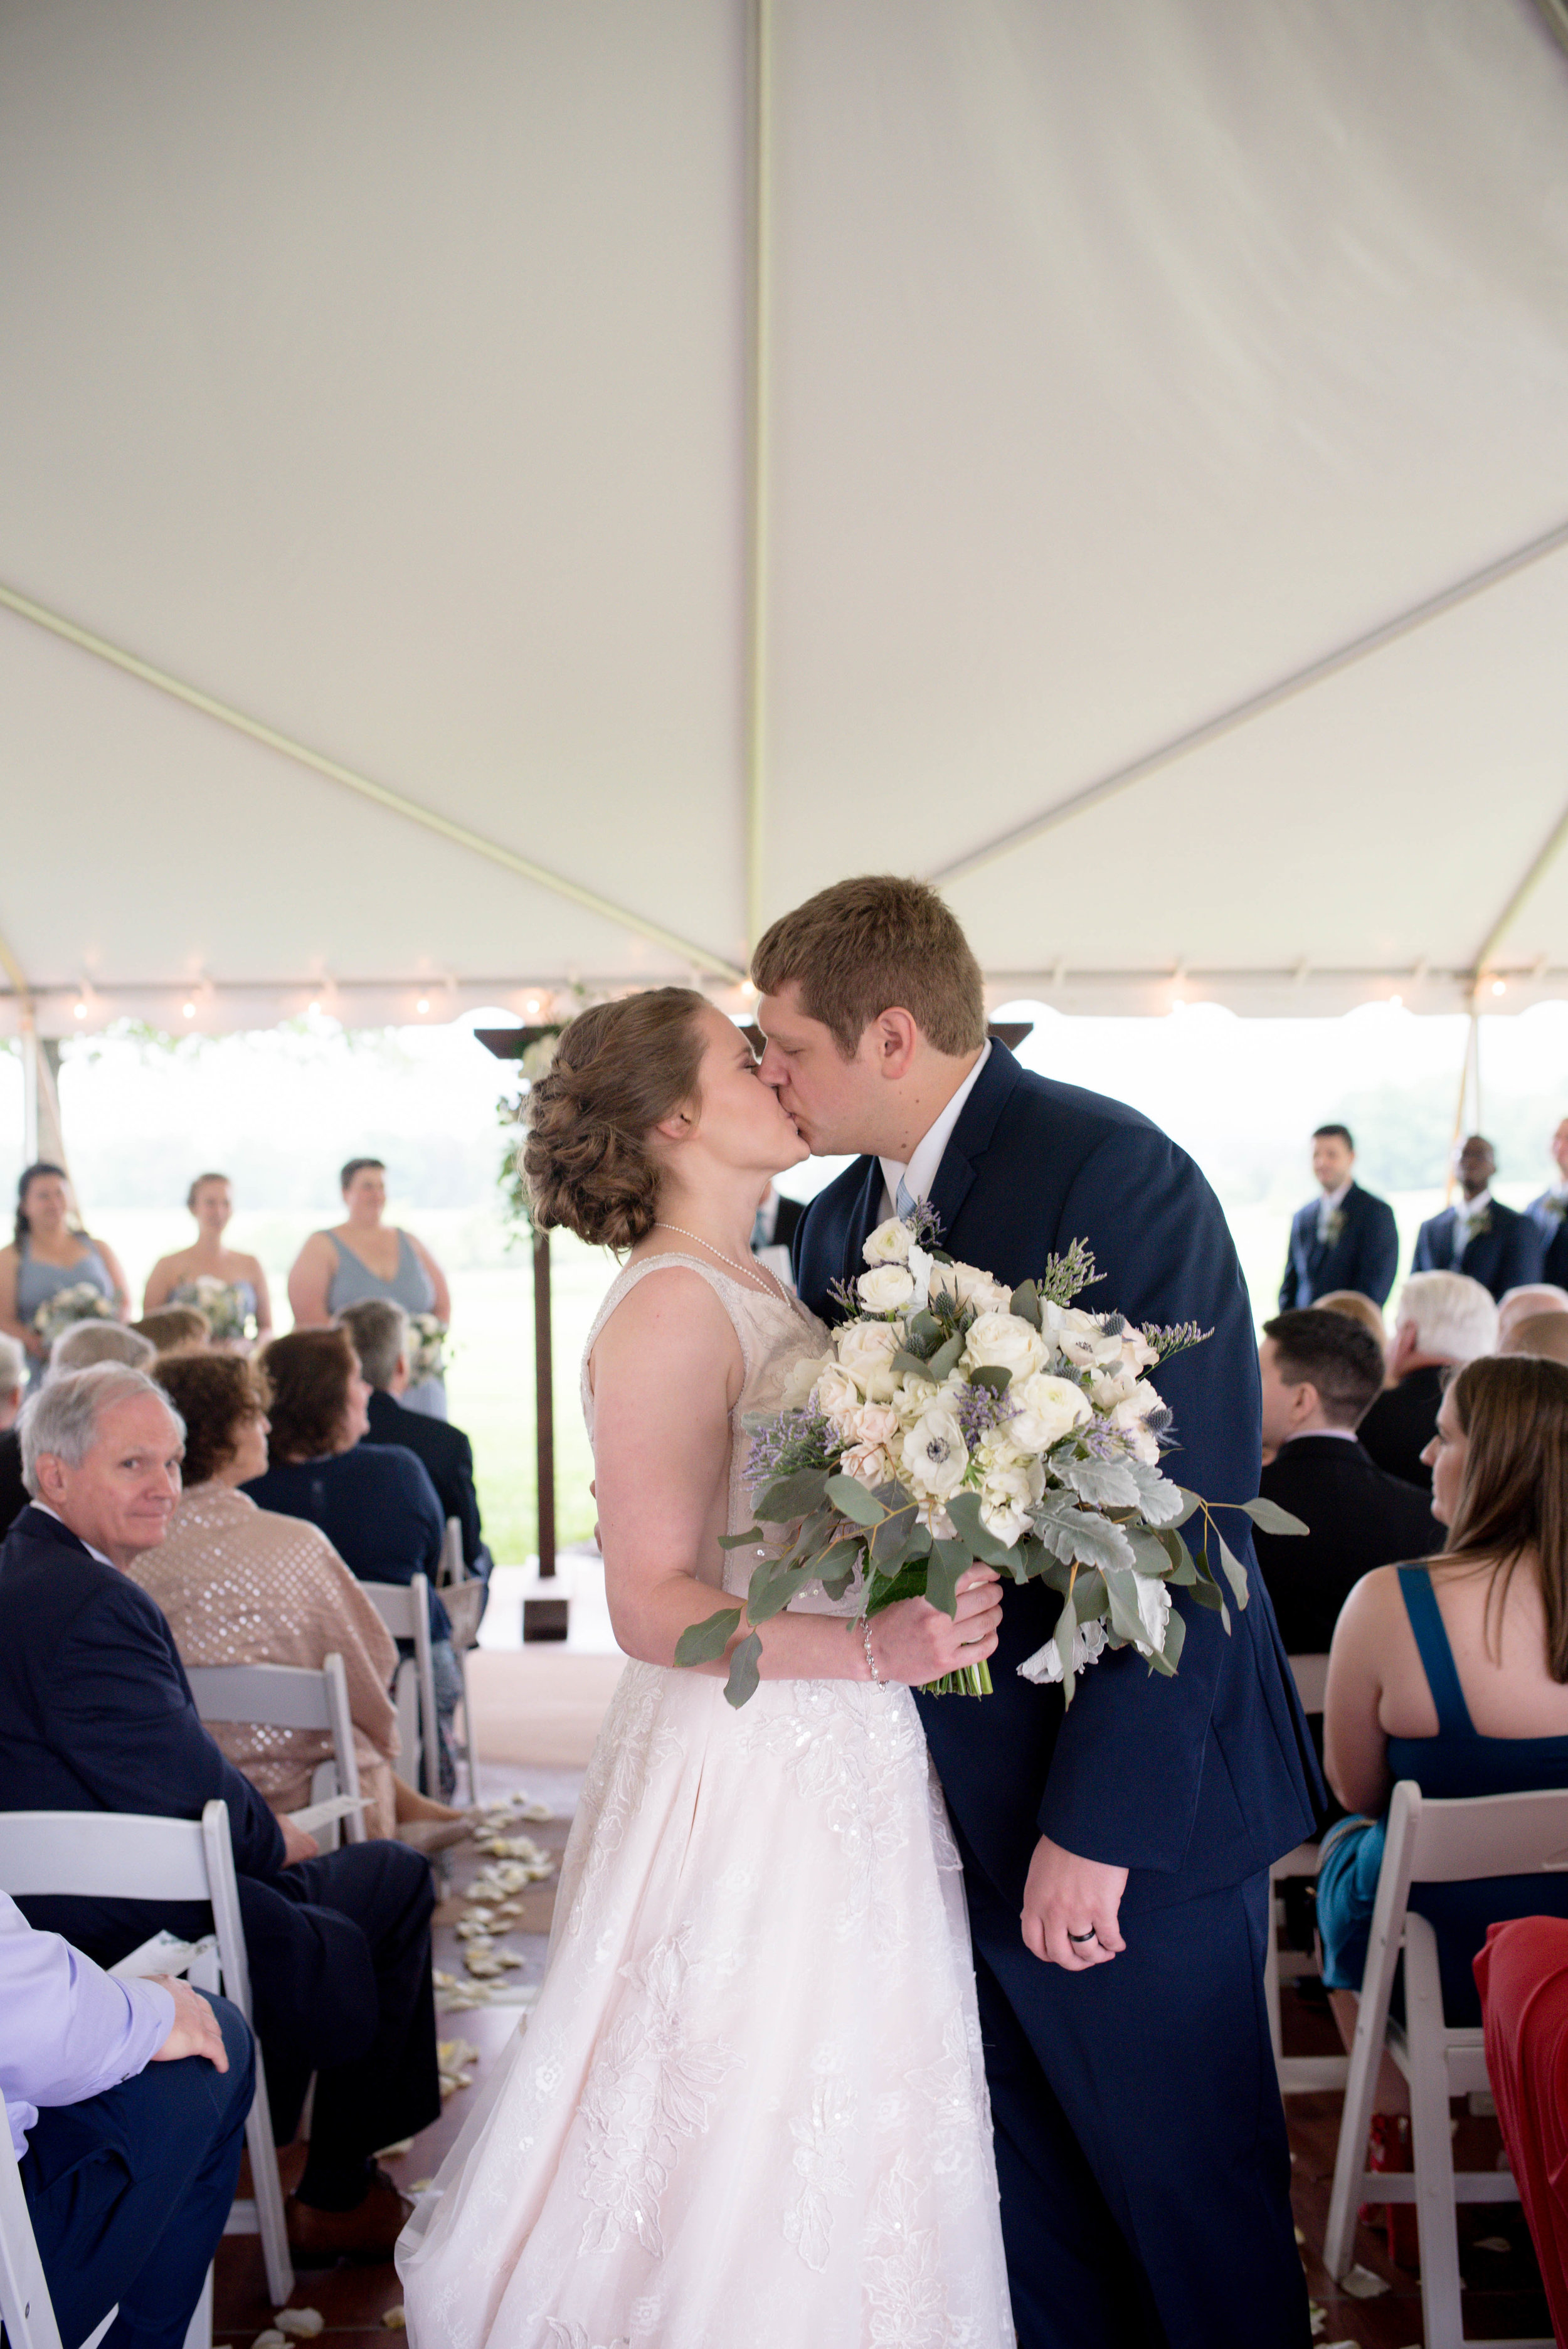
749 2110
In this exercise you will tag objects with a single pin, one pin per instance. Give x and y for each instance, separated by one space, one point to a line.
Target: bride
749 2105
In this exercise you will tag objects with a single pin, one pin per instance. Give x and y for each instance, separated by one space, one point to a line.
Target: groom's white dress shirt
918 1172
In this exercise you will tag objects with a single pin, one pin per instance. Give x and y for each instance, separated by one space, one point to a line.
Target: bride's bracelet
871 1661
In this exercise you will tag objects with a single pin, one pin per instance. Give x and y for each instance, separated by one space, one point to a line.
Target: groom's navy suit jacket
1365 1256
1195 1782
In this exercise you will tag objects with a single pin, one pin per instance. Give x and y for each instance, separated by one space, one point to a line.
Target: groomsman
1345 1238
1479 1236
1549 1213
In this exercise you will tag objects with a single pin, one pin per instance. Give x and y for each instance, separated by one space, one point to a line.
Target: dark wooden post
544 1403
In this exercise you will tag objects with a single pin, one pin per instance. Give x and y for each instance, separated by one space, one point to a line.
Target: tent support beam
759 155
42 1136
700 958
1534 873
1257 705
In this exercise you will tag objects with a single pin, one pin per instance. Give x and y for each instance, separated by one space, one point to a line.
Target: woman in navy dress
1455 1673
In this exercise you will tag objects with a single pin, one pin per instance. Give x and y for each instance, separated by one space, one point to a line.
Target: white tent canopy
624 467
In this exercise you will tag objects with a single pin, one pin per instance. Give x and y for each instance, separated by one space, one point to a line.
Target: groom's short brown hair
864 946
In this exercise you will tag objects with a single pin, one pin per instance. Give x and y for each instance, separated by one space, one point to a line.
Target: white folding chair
404 1609
290 1696
1299 2075
463 1595
121 1855
1431 1842
26 2309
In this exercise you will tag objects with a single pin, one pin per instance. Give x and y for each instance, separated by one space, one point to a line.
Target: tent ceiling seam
378 794
1534 873
760 363
1256 704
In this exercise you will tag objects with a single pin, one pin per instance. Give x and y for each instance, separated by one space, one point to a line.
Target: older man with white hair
96 1713
1524 1304
1444 1320
87 1344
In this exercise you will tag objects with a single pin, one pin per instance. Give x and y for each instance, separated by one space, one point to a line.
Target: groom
1116 1856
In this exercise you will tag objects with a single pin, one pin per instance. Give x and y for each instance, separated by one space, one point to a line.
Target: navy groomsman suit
1364 1254
1140 2141
1504 1255
1549 1213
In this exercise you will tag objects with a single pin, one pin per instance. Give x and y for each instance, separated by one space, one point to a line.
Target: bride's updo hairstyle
619 1068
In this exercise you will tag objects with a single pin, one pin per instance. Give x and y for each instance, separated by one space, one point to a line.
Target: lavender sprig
1169 1338
790 1440
1065 1276
980 1408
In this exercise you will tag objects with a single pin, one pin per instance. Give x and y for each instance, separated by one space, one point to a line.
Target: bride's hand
914 1641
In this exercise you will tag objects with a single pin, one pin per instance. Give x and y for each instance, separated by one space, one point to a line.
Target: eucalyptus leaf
851 1498
963 1508
909 1582
843 1558
1091 1599
740 1541
948 1560
838 1582
923 1327
1160 1665
1126 1621
792 1496
1066 1623
1207 1594
772 1588
1025 1303
1152 1557
744 1673
1175 1637
992 1375
1236 1574
1271 1518
705 1643
890 1542
945 1359
1176 1549
1190 1501
1104 1484
910 1366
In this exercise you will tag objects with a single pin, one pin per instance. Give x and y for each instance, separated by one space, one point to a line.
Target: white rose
1048 1408
889 1244
885 1288
935 1456
1109 1388
868 1463
1136 1350
875 1424
913 1398
1080 1337
1005 1342
800 1380
968 1285
866 1348
1006 1495
838 1398
1130 1419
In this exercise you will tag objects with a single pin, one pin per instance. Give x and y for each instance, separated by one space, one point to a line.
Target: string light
1397 1002
423 1004
315 1005
80 1010
189 1009
1500 987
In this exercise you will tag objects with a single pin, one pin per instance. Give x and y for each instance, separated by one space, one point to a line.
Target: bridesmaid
362 1257
51 1252
173 1280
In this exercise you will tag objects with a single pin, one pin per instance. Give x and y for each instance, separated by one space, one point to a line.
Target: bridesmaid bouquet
427 1347
953 1419
219 1304
80 1302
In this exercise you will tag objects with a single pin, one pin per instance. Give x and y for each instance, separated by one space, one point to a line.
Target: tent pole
1472 1060
760 136
544 1404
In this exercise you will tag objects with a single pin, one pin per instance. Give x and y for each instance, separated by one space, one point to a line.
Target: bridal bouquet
80 1302
221 1305
953 1419
427 1347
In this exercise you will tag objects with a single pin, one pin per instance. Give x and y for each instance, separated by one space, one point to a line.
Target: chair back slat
275 1696
1456 1842
103 1853
25 2304
397 1606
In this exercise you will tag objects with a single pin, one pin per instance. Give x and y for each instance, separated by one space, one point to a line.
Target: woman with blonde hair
187 1277
1455 1672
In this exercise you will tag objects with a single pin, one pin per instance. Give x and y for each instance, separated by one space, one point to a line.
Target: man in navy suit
1346 1239
1549 1213
96 1714
1479 1236
1115 1855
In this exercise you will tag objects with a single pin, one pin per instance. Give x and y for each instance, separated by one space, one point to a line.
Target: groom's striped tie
906 1203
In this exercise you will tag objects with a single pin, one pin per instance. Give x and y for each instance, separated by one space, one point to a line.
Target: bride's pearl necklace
758 1274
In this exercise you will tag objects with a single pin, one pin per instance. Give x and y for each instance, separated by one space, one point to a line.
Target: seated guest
373 1502
1345 1237
1478 1236
1455 1673
1360 1308
12 1385
1549 1213
87 1344
96 1714
128 2103
378 1331
1321 1371
240 1586
176 1330
1445 1319
1517 1305
1543 1334
1522 1977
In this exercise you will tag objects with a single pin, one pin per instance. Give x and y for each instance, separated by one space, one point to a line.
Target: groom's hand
1066 1895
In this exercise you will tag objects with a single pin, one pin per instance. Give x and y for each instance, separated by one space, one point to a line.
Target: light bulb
189 1009
1500 987
81 1010
1397 1002
423 1004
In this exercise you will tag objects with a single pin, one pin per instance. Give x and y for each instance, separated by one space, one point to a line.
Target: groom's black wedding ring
1082 1937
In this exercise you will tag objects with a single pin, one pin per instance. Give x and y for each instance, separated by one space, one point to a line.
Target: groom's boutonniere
1331 1228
